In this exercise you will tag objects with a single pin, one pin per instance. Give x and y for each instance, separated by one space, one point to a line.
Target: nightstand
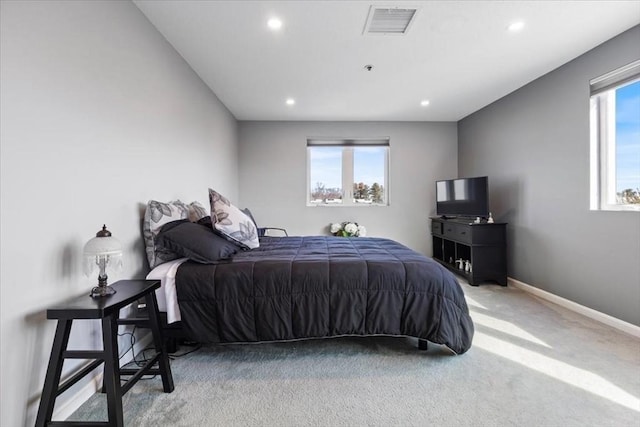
107 309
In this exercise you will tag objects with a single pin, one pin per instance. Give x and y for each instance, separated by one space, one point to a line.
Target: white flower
351 228
347 229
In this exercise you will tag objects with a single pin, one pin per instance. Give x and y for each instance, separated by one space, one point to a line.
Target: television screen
463 197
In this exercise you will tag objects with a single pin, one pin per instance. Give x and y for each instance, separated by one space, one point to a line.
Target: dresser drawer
449 230
436 228
458 232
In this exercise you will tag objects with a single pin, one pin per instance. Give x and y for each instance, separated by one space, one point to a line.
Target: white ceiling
457 54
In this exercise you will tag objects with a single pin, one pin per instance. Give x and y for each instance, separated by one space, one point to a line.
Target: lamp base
102 291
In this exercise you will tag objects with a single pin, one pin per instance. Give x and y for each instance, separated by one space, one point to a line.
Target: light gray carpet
532 364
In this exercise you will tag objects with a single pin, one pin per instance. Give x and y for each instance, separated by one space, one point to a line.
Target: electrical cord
196 346
139 362
132 341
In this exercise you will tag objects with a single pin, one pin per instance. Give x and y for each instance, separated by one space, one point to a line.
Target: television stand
482 245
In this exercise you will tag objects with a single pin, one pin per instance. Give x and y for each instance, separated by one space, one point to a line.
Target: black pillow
205 221
195 241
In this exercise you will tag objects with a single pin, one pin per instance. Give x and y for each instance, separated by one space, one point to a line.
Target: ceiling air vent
389 20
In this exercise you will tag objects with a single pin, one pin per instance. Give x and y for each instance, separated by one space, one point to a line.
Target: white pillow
197 211
158 214
231 223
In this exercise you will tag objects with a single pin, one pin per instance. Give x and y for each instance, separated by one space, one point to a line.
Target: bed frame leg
172 345
423 344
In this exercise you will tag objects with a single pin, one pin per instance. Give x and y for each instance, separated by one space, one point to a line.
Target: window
615 140
348 172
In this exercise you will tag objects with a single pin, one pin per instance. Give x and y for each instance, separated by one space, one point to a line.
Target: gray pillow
195 241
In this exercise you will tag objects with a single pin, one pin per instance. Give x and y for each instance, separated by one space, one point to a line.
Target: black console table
482 245
107 309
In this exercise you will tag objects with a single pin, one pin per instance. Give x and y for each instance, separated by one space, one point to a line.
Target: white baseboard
621 325
68 406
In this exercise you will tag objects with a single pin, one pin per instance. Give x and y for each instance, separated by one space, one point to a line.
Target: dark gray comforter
307 287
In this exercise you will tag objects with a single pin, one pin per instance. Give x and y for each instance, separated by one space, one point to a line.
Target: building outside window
347 172
615 140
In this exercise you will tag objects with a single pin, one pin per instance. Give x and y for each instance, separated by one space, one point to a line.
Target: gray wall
99 114
272 158
534 145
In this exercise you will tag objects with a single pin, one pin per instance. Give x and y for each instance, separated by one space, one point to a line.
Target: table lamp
105 251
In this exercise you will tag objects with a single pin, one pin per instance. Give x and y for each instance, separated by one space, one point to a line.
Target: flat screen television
463 197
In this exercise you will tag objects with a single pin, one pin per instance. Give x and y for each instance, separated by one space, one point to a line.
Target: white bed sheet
166 294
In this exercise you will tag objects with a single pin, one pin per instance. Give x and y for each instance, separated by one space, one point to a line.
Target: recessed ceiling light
516 26
290 101
274 23
424 102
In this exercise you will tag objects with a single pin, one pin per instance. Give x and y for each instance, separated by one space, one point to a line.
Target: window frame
348 145
602 129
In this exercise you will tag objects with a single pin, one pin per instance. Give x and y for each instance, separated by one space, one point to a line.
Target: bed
291 288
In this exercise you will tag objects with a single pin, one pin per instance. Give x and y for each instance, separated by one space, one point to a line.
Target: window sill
618 208
339 205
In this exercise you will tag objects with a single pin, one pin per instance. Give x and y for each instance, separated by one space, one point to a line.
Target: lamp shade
103 244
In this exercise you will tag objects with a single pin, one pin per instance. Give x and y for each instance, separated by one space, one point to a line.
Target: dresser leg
52 380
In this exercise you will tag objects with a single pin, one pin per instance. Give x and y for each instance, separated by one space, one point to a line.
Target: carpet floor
532 363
